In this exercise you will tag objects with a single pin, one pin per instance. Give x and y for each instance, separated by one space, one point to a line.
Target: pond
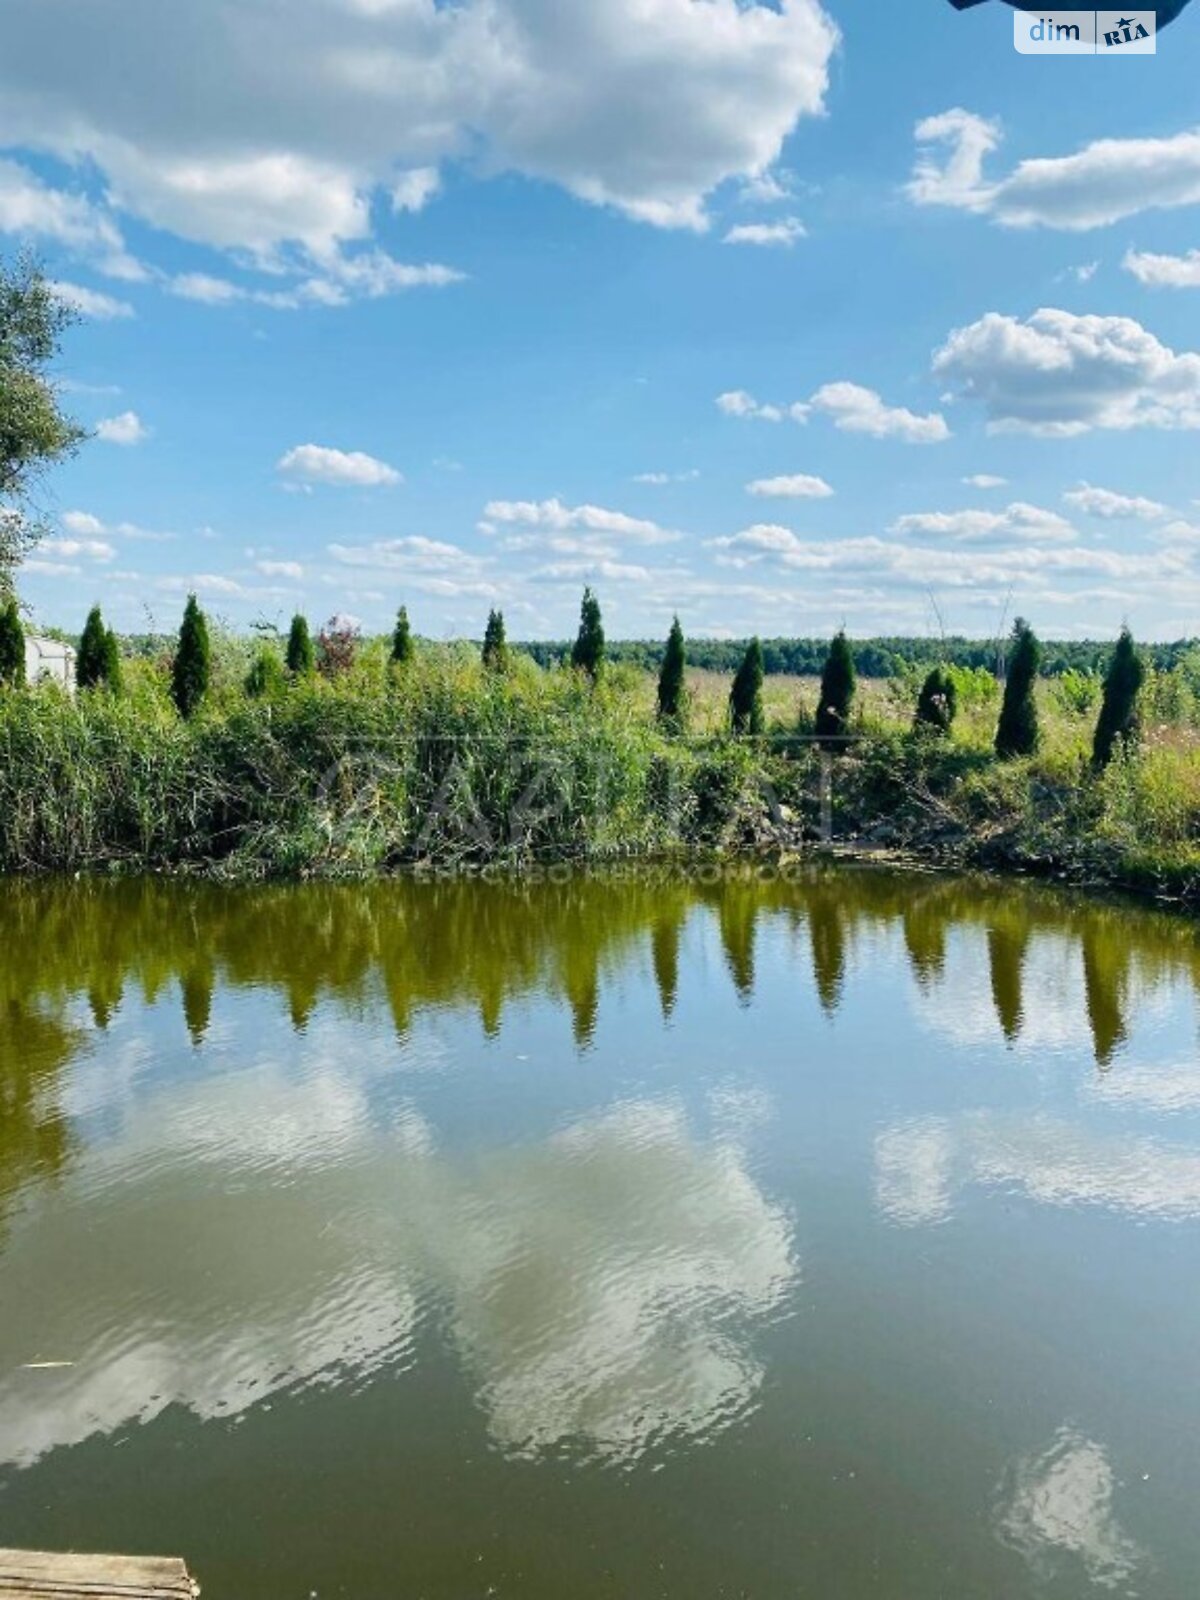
618 1236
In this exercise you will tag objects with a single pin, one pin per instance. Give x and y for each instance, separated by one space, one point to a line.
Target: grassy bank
447 764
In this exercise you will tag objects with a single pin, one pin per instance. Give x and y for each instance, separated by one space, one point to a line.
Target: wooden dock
37 1575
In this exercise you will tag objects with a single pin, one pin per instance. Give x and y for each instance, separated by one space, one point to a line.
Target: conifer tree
588 654
12 646
301 656
193 661
403 648
91 664
495 643
112 662
1018 733
937 705
745 698
672 680
1118 720
838 682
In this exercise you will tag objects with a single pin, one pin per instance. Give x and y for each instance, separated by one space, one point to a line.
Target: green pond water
614 1237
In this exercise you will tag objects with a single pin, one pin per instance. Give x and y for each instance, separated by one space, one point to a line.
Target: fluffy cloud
74 549
644 105
950 156
32 210
985 480
555 517
783 233
91 303
658 480
763 539
84 525
126 429
1164 272
1019 521
1109 505
427 565
799 486
314 463
1102 183
413 191
738 403
280 569
855 409
204 288
852 408
1060 374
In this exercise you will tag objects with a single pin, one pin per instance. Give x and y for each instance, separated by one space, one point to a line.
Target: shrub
974 687
1018 733
1076 691
266 676
937 704
745 698
337 646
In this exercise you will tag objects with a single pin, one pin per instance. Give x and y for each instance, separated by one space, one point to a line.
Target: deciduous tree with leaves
35 433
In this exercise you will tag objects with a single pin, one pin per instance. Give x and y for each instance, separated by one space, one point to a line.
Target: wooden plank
44 1575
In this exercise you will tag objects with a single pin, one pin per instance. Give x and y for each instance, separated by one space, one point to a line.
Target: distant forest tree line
873 658
884 657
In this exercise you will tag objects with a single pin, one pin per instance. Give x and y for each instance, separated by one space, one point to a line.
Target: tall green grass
439 761
442 762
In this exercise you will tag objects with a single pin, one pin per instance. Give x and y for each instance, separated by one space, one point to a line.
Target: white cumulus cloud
799 486
1104 182
1018 521
1059 374
783 233
1109 505
554 516
91 302
1164 271
125 429
856 409
643 105
314 463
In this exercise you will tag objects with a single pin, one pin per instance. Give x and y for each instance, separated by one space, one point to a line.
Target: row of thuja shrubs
333 653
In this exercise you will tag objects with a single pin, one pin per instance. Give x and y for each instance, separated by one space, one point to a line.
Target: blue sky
717 306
